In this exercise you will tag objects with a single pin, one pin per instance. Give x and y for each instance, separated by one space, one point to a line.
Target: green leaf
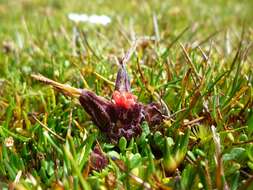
243 137
84 153
188 176
200 152
234 154
11 170
250 121
235 181
170 141
250 164
135 161
191 155
122 144
113 154
159 140
5 132
145 129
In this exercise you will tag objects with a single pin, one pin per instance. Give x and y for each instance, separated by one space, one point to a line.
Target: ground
192 57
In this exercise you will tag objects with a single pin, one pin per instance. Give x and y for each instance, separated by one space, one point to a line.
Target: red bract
124 99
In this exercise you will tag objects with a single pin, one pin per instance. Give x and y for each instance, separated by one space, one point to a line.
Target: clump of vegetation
192 63
120 117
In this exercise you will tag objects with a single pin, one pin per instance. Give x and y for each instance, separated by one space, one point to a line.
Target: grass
198 63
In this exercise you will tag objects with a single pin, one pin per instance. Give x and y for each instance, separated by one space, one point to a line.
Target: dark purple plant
123 115
98 159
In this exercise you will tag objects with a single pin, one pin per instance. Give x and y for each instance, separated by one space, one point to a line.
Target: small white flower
9 142
93 19
103 19
78 17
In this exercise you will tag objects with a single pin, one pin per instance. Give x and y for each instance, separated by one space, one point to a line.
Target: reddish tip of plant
124 99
